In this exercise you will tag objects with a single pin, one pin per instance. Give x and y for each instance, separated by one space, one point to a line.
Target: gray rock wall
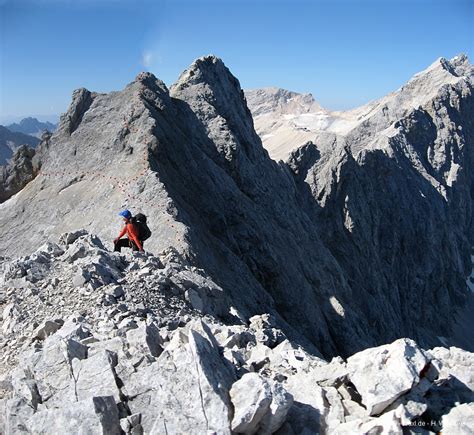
396 211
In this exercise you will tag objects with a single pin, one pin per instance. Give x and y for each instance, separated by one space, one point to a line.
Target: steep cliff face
395 203
18 173
321 242
10 141
242 212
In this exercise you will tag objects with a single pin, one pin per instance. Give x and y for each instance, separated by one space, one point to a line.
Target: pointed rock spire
215 96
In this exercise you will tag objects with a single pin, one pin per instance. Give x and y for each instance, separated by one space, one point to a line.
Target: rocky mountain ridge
271 100
203 182
422 131
274 297
284 128
190 159
415 170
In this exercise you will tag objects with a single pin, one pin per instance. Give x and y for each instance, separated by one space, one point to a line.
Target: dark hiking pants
125 243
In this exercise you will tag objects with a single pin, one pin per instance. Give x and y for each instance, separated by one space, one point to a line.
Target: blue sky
345 52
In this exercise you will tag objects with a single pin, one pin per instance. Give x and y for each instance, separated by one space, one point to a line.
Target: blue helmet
126 214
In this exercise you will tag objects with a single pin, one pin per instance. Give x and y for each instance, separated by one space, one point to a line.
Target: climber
132 230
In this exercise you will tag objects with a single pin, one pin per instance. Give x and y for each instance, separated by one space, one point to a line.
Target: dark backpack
143 231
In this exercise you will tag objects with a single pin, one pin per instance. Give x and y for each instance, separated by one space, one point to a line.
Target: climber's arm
122 233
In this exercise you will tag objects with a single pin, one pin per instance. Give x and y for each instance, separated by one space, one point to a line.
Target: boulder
186 389
25 387
386 424
279 407
73 328
80 278
52 370
192 296
384 373
51 248
145 339
265 332
92 416
47 328
95 376
455 362
251 397
307 415
13 414
67 239
459 421
259 356
288 358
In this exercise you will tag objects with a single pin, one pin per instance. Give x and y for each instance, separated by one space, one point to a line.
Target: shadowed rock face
396 205
17 173
22 168
10 141
338 244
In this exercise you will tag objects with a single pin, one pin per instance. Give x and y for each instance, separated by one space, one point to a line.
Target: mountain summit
284 127
32 127
271 100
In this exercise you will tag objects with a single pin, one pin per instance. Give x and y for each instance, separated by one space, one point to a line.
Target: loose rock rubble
78 278
99 342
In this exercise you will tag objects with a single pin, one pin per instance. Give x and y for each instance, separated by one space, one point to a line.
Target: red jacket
132 231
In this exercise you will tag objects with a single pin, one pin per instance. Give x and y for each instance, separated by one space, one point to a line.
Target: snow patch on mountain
284 127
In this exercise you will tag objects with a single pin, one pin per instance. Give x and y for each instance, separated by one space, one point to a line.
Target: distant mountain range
31 126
